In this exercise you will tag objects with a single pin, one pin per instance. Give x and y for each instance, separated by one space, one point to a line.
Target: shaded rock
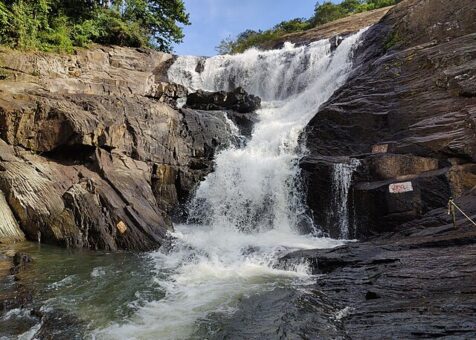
325 196
20 261
17 296
73 206
169 93
56 324
385 209
238 100
371 295
238 105
388 166
12 293
406 113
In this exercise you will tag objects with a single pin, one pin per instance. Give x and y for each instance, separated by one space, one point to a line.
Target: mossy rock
394 39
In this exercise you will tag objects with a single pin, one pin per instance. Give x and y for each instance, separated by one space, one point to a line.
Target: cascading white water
249 207
341 181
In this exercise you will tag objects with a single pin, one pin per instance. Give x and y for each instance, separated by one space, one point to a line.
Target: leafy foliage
61 25
323 13
327 11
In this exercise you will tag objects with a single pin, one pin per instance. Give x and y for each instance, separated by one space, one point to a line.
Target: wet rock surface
20 262
94 151
238 105
407 114
18 314
13 293
58 324
417 282
406 120
238 100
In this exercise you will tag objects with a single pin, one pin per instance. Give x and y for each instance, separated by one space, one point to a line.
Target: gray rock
239 106
237 100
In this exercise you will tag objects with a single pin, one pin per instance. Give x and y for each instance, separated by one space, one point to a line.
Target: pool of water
92 287
101 295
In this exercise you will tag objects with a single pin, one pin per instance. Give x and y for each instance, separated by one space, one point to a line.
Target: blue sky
213 20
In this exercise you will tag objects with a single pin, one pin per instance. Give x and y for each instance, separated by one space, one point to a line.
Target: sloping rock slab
419 282
411 96
73 206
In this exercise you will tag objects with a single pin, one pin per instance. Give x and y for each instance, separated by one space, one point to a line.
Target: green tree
63 24
294 25
157 19
327 12
323 13
351 6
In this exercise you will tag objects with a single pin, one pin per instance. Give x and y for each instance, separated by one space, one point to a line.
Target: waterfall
339 210
257 179
272 75
246 213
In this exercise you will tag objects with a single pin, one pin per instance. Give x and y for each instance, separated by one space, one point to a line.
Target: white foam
249 207
98 272
67 281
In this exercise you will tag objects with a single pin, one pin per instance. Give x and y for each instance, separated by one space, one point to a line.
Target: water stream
340 207
222 266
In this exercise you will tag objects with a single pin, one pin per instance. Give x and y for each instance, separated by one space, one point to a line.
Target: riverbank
418 282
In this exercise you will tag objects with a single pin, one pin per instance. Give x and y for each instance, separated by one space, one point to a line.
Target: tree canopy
64 24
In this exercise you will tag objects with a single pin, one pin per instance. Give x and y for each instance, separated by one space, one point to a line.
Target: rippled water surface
146 296
93 287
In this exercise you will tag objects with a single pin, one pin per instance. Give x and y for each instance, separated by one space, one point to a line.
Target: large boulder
237 100
95 152
238 105
408 113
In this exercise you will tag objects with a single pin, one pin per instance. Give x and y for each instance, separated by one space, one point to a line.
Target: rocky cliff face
407 114
93 150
